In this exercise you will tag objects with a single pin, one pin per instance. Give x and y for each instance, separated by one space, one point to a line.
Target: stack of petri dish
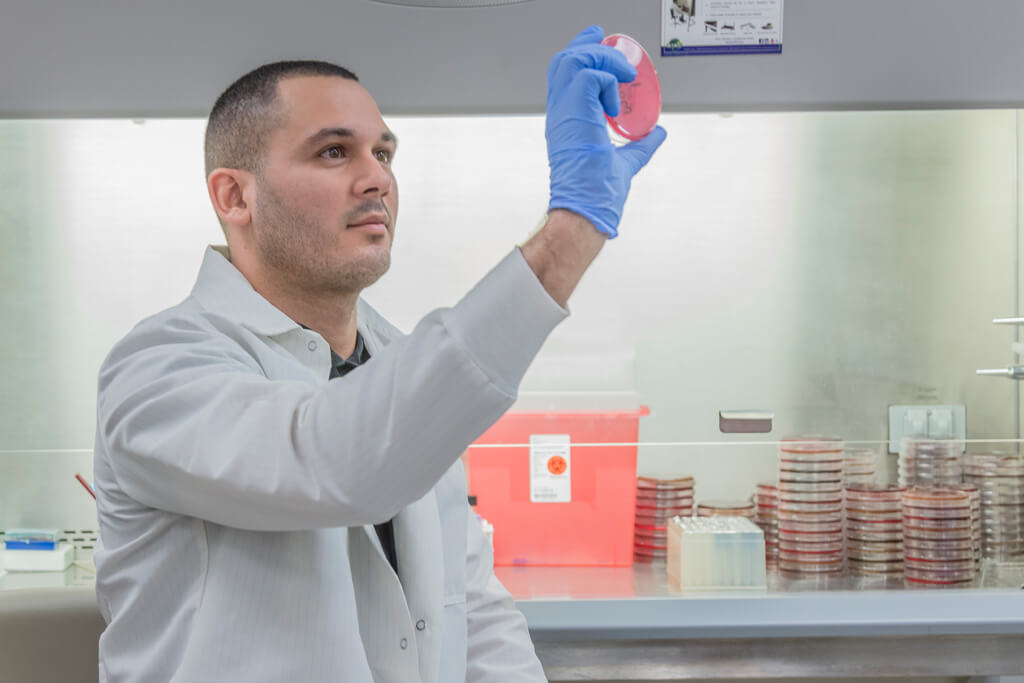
937 546
1000 481
766 516
930 462
658 501
811 505
974 494
858 466
727 508
874 529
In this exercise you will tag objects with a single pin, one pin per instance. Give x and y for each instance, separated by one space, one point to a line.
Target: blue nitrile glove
589 175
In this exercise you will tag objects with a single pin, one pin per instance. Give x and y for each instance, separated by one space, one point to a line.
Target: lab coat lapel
418 540
371 534
418 544
375 340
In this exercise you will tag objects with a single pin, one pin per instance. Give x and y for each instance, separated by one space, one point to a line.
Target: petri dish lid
894 517
787 516
811 496
665 484
726 504
871 536
662 497
640 100
811 536
930 497
812 444
809 487
995 464
875 566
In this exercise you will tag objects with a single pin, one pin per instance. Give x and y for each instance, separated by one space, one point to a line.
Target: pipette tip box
55 560
715 553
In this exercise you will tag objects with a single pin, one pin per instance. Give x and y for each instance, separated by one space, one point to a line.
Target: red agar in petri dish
640 99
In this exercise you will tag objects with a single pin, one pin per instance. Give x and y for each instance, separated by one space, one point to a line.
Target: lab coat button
420 625
311 346
403 643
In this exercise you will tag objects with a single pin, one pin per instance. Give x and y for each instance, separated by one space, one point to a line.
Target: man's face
326 202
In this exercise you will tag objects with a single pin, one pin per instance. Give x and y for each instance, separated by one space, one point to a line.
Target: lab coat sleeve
190 423
499 646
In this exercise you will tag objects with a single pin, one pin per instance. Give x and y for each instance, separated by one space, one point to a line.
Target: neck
333 317
330 313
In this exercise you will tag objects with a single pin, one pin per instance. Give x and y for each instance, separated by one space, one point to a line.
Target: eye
383 156
333 152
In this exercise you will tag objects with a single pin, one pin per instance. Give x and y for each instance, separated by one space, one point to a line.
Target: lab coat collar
222 289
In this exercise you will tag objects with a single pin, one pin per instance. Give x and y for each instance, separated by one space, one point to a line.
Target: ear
228 189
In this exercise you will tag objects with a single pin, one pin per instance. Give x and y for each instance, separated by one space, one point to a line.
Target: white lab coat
237 489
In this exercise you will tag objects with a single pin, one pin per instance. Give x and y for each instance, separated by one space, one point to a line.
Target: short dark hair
245 113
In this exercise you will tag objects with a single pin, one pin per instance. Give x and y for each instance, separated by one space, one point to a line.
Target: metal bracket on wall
1013 371
745 421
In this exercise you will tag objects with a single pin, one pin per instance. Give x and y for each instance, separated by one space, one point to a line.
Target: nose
373 178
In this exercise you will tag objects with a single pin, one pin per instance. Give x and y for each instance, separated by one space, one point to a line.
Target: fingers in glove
591 34
599 57
639 152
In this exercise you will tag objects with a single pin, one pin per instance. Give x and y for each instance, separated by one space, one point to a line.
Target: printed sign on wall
720 27
550 480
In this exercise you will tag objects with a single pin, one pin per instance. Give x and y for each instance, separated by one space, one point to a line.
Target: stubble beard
294 245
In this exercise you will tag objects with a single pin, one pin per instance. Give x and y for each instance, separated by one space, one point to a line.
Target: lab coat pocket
455 599
454 625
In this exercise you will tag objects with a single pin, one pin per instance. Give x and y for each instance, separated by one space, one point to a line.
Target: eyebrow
324 133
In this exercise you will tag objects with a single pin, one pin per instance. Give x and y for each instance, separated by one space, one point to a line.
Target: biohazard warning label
550 469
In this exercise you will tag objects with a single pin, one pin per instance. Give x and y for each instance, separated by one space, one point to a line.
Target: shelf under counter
626 623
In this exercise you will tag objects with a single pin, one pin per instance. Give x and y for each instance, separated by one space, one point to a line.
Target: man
278 484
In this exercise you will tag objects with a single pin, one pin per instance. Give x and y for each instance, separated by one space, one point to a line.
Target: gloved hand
589 175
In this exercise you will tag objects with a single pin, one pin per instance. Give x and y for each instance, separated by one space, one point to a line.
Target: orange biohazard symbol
557 465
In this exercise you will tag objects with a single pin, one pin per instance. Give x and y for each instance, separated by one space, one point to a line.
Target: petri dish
872 555
799 537
947 555
812 444
811 507
873 536
786 517
963 545
833 497
662 499
931 497
864 512
801 477
920 534
876 492
668 484
814 486
812 527
826 470
725 508
640 100
800 567
874 567
661 519
875 525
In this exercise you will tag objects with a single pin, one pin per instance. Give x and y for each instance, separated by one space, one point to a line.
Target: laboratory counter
627 623
593 623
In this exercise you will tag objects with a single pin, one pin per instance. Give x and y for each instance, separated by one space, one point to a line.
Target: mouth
374 223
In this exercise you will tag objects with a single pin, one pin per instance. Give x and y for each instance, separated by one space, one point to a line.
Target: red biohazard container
567 500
